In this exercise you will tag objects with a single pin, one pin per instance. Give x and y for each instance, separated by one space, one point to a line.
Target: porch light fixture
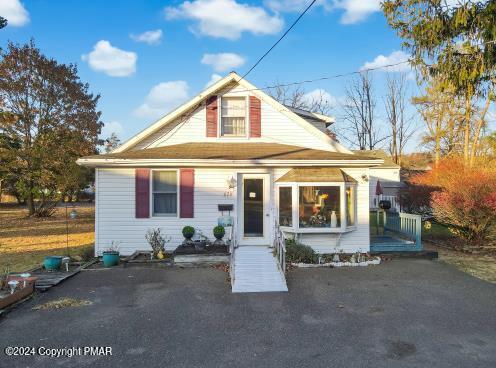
231 183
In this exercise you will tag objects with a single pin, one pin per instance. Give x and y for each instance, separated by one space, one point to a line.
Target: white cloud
149 37
14 12
318 95
112 127
213 79
296 5
223 61
226 18
356 10
162 98
393 58
111 60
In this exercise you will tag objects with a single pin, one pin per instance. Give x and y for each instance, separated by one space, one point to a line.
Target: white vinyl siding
115 209
116 221
276 128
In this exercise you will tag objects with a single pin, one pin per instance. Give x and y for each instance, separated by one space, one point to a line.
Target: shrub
156 241
219 232
188 232
87 253
464 199
300 253
416 198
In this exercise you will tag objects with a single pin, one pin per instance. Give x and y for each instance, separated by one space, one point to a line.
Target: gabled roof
308 115
231 78
388 161
212 154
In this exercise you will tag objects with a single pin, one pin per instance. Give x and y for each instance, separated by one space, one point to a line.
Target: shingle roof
231 151
316 174
388 162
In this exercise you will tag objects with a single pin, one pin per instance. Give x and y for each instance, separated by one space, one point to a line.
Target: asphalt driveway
403 313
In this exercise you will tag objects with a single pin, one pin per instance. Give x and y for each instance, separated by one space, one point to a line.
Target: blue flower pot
110 259
52 263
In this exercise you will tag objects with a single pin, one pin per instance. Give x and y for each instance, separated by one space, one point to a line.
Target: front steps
257 270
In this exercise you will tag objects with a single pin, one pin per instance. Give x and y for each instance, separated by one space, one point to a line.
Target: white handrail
232 248
280 248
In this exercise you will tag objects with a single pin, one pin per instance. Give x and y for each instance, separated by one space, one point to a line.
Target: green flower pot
110 259
52 263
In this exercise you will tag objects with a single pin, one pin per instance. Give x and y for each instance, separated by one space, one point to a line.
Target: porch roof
316 174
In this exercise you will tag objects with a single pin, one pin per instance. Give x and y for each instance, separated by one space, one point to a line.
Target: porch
395 232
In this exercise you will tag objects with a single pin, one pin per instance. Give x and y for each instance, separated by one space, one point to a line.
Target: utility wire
280 39
324 78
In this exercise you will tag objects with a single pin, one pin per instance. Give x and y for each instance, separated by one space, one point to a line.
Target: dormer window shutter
142 193
187 193
211 118
255 117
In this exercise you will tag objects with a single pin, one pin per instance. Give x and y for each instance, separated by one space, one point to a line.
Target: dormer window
233 117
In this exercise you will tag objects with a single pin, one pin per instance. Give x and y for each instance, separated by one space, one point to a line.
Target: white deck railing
374 201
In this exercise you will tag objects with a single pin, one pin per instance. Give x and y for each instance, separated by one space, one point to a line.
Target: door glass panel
253 208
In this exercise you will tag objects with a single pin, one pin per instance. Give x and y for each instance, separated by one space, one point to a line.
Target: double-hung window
164 193
233 116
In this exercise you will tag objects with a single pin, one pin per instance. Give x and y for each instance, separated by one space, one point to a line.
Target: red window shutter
211 118
255 117
187 193
142 193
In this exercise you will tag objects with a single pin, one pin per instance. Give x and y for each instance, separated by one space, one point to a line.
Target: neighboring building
388 176
235 145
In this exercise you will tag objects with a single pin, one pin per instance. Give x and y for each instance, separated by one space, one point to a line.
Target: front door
254 207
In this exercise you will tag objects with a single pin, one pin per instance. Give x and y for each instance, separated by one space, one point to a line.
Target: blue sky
141 76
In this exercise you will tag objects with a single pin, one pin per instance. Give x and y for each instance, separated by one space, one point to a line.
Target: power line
280 39
335 76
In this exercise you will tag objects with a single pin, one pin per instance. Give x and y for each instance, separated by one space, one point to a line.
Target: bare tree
298 98
401 126
443 113
359 113
289 96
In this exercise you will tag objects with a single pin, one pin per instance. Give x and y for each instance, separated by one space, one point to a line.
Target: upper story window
164 192
233 117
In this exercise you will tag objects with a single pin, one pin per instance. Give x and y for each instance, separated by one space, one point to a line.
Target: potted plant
219 233
110 256
52 263
157 242
188 232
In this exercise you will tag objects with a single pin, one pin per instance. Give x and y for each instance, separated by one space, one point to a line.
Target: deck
396 232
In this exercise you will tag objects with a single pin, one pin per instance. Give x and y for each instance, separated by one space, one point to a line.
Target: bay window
350 205
319 206
285 206
164 193
233 116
